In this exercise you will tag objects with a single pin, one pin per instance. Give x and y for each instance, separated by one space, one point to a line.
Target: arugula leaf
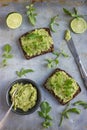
6 54
56 53
61 52
53 22
52 62
67 12
64 54
73 14
66 111
31 13
23 72
44 113
75 11
82 103
74 110
62 114
61 120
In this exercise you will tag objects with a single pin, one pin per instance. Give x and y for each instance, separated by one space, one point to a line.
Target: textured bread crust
61 101
51 49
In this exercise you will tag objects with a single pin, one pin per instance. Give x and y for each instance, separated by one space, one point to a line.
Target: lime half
14 20
78 25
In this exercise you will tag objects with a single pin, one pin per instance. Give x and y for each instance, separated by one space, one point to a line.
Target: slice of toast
36 42
62 86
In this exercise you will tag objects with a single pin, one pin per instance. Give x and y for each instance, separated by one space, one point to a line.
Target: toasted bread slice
36 42
62 86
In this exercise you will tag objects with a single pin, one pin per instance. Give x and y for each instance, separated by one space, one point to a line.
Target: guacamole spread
62 85
36 42
67 35
25 97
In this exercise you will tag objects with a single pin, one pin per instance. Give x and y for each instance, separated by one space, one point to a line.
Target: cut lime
14 20
78 25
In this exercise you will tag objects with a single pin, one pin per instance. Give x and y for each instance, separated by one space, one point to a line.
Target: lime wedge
78 25
14 20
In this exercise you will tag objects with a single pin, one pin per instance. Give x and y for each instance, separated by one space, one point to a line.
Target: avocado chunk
67 35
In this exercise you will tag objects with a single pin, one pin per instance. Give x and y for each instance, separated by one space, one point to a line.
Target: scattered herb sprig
66 111
52 62
81 103
23 72
73 14
60 53
6 54
53 23
31 13
44 113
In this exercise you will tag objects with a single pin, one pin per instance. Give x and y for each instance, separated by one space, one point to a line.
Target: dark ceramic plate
19 111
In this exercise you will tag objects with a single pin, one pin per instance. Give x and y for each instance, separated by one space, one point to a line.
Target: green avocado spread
67 35
62 85
36 42
25 97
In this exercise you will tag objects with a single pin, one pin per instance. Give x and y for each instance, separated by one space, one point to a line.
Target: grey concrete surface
41 72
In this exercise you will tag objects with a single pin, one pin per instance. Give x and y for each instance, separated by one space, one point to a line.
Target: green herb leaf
74 110
41 114
63 114
67 12
53 23
56 53
48 117
44 113
82 103
23 72
61 120
68 82
73 14
75 11
45 107
32 19
70 13
64 54
31 13
56 61
6 54
66 115
46 124
52 62
4 62
61 52
7 48
66 111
